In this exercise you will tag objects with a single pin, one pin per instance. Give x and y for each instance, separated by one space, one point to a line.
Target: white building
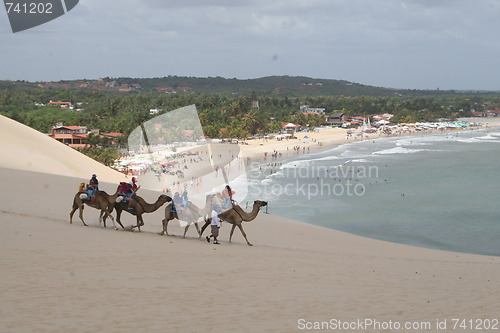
307 109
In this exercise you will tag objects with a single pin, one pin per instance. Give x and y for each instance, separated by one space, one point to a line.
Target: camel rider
177 201
94 184
128 190
84 189
227 194
185 199
133 186
124 189
133 189
217 203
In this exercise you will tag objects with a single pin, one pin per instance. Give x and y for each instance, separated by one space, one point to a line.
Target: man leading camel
214 227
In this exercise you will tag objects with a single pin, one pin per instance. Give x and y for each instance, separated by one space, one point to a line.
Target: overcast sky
423 44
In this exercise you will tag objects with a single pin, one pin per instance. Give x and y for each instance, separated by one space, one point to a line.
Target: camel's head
165 198
260 203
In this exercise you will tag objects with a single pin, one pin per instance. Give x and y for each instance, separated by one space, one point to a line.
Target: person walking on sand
214 227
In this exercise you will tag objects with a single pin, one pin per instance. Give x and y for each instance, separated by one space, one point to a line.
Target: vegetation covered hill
291 86
280 85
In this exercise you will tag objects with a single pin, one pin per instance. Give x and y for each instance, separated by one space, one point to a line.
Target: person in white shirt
214 226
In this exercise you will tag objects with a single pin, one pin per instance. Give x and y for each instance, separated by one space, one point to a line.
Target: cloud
358 40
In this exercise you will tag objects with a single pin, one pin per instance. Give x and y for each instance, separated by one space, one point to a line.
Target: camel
236 216
111 204
192 215
100 201
140 206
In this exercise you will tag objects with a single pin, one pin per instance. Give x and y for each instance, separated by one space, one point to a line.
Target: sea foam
399 150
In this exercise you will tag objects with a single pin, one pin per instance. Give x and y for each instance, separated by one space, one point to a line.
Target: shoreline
337 137
261 151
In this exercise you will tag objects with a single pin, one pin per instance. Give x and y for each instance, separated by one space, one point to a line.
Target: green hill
281 85
291 86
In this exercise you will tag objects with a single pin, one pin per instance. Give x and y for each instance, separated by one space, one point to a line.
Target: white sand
22 148
57 277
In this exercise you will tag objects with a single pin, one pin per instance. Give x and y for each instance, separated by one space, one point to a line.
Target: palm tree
234 108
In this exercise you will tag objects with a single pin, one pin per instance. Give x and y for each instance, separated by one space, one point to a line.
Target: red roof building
72 136
75 136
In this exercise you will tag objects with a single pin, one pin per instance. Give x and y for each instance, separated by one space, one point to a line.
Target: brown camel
111 204
193 214
100 201
236 216
139 207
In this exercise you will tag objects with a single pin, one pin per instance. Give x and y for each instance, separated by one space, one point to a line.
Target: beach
59 277
202 163
326 137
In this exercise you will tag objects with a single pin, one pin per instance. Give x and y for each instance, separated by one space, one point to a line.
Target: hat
94 175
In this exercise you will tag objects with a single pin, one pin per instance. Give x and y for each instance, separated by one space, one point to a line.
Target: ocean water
438 191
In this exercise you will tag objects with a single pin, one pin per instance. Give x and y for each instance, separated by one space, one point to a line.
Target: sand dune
57 277
23 148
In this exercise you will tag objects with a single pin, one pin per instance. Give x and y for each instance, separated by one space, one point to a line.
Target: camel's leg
73 210
121 225
108 214
185 230
101 219
197 229
207 223
244 234
231 233
139 222
110 210
118 216
164 222
81 215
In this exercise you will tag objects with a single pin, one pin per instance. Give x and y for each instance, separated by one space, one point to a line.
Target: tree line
221 115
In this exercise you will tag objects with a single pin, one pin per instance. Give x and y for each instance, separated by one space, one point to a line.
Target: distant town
94 115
